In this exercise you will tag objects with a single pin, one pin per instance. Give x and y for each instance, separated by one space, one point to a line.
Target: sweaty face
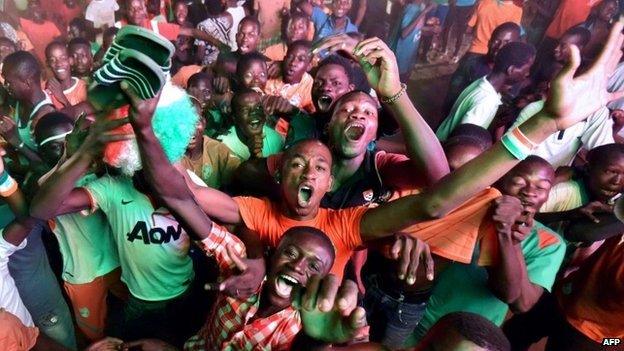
181 12
137 12
608 10
247 37
58 61
297 29
606 181
202 91
305 178
500 40
331 83
249 115
341 8
296 63
81 60
297 258
530 183
255 75
353 125
15 85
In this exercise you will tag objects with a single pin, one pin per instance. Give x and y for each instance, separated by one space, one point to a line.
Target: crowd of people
253 175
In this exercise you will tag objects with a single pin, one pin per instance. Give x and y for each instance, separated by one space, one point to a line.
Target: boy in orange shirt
64 89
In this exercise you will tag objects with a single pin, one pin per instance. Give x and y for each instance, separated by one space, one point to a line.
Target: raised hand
55 87
329 311
101 133
379 65
141 111
410 252
507 211
594 207
571 98
247 282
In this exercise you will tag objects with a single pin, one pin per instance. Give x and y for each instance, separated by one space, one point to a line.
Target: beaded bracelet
8 185
518 144
395 97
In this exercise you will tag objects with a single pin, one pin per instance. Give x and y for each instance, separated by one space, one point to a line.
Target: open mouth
354 131
255 124
304 195
284 285
324 102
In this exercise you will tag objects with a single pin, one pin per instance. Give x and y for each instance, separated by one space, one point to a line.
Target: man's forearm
529 292
481 172
588 231
504 276
169 184
59 185
423 146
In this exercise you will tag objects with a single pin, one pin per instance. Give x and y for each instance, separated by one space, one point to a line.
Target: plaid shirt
232 325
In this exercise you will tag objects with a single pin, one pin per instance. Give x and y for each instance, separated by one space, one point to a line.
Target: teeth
289 279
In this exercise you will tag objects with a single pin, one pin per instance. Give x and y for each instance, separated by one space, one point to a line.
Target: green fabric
153 248
272 143
464 287
86 244
95 47
301 127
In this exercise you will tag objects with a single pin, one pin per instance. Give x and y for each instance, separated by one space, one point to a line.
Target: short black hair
238 95
297 231
195 78
534 160
601 155
22 63
79 23
476 329
78 41
506 27
52 45
347 95
49 122
579 31
252 19
245 61
470 134
339 61
516 54
300 43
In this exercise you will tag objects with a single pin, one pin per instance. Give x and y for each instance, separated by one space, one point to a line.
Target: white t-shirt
477 104
560 148
9 296
101 12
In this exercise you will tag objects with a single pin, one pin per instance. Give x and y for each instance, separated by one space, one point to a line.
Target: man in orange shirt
305 174
488 15
39 31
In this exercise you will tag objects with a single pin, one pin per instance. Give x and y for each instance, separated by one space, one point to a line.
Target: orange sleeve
14 335
350 235
454 236
169 30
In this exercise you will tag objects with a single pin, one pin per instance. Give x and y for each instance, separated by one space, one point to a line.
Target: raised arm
57 194
423 147
167 182
571 100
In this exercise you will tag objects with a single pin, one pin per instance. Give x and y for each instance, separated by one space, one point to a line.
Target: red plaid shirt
232 325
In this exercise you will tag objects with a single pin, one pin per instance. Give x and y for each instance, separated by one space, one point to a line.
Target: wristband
392 99
518 144
8 185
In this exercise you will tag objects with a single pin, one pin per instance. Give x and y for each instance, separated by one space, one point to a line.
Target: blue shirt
324 25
